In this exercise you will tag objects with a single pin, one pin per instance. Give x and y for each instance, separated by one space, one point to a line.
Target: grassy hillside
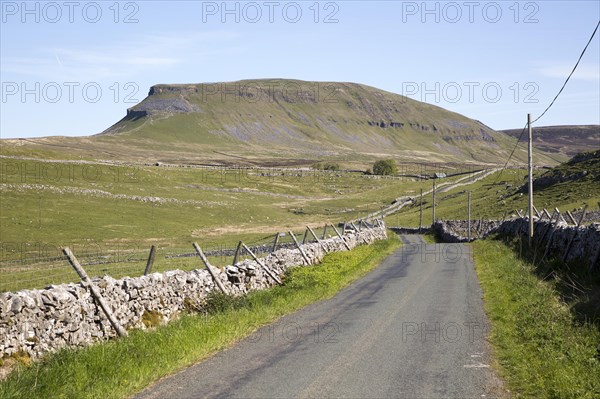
567 186
584 168
277 121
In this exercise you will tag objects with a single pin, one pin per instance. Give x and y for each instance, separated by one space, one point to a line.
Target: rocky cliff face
165 99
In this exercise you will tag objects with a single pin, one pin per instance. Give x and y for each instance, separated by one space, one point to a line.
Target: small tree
331 166
385 167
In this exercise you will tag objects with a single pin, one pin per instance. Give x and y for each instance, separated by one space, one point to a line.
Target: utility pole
530 177
469 214
421 212
433 193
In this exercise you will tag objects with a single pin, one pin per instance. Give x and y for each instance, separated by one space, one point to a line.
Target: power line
571 74
549 106
508 160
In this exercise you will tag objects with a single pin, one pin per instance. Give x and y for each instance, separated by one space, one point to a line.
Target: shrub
385 167
332 166
218 302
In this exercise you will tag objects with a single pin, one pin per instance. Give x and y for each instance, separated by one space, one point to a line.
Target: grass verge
542 348
120 368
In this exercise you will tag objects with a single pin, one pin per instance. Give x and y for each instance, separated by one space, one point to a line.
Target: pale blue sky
459 61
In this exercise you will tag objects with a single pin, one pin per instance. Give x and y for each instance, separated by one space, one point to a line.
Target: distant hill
566 140
280 121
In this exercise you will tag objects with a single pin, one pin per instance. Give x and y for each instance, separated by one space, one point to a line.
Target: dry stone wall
585 245
454 231
553 237
42 321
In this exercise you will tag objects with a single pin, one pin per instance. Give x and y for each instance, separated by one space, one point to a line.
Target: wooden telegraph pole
530 178
469 214
421 212
433 199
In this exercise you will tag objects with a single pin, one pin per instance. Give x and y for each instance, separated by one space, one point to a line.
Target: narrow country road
412 328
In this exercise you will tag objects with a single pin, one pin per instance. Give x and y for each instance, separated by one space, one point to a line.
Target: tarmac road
412 328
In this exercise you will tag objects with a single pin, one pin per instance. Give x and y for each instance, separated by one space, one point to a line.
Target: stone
16 304
66 315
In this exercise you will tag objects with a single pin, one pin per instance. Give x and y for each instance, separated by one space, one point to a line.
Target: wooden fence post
275 242
362 224
150 261
519 213
551 235
571 218
317 238
305 236
370 233
541 240
236 254
95 293
357 231
324 232
574 235
265 268
547 214
209 268
341 237
299 247
312 232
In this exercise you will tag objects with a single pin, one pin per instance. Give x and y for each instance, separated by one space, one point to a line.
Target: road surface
412 328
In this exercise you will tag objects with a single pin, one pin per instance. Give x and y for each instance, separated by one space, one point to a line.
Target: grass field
110 215
119 368
545 346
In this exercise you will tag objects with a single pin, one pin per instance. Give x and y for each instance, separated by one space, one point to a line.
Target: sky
73 68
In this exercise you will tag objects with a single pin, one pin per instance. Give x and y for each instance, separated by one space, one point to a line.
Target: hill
278 121
566 140
584 168
570 184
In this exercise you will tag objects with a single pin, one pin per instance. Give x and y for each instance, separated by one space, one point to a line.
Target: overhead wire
548 107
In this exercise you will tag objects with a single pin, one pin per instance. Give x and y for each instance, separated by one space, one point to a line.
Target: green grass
119 368
542 347
37 219
223 207
430 238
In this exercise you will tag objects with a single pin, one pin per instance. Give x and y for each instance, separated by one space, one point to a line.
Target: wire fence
31 266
